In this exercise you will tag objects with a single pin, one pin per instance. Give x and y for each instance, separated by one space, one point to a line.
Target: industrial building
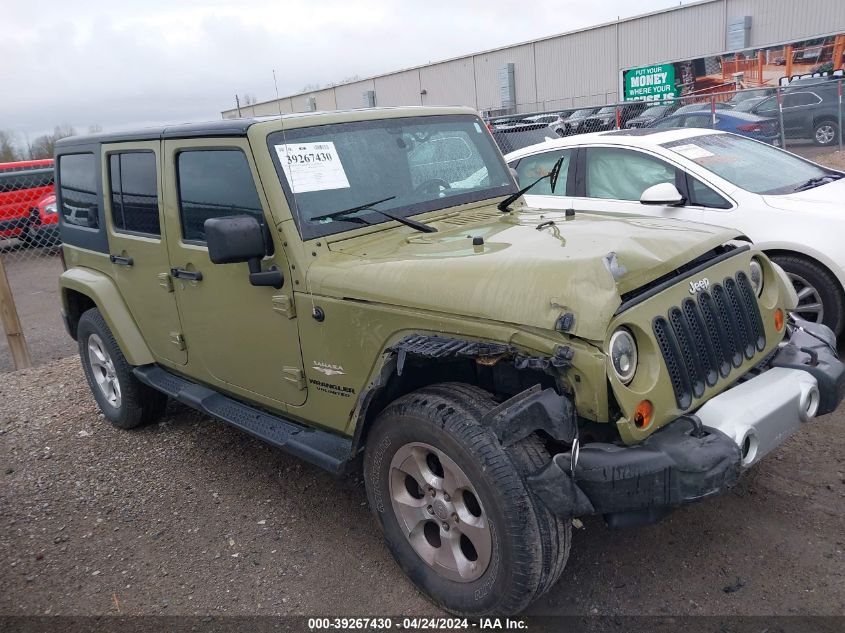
689 49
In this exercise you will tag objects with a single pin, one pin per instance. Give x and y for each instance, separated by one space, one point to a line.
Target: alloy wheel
825 134
102 368
810 306
439 512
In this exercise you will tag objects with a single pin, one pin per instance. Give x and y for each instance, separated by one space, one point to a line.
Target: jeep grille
707 335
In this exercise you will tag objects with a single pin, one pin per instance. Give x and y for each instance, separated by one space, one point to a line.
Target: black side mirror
237 239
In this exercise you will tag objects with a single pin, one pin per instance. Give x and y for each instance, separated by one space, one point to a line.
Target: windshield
580 114
750 165
654 111
421 163
607 110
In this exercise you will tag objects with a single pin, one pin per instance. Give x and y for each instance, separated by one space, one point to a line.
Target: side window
672 121
621 174
699 120
134 192
703 196
767 105
531 168
212 184
78 186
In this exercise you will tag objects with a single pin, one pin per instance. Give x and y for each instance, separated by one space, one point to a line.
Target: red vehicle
27 202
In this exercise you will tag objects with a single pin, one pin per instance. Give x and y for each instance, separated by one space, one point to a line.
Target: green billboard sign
651 82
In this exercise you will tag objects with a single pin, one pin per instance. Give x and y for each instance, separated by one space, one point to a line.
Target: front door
612 180
240 338
137 249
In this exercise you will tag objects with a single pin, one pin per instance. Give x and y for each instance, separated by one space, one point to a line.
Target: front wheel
453 505
820 298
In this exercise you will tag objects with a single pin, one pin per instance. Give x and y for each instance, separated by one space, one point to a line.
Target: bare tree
8 151
43 146
95 128
248 99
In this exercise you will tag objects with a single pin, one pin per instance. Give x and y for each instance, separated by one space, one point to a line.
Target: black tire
825 133
823 281
529 545
139 404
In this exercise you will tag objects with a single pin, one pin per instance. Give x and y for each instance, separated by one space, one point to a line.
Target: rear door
132 194
240 338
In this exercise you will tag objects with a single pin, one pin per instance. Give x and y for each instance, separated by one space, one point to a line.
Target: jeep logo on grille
699 286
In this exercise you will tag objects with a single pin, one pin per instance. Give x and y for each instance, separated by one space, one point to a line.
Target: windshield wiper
815 182
505 204
345 213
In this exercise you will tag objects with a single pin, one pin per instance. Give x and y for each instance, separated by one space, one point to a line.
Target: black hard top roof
222 127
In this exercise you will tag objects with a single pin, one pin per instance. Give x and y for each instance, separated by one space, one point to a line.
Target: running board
321 448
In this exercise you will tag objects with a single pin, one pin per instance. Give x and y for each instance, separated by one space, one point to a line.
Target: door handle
121 261
181 273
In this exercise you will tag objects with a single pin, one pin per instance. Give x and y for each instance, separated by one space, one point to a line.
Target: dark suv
605 118
811 112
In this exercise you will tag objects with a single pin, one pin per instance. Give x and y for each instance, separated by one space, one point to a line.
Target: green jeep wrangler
367 289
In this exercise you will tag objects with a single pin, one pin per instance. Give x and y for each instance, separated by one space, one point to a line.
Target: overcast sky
119 64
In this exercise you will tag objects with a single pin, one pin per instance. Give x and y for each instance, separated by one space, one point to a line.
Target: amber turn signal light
643 414
778 319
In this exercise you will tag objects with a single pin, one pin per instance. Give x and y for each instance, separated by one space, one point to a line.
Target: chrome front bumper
759 414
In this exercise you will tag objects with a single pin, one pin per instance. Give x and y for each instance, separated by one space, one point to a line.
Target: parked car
652 114
790 207
43 230
23 214
550 118
765 129
510 138
316 281
702 105
743 95
811 113
569 125
605 118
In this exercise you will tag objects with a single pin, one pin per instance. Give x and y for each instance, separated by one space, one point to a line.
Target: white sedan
790 207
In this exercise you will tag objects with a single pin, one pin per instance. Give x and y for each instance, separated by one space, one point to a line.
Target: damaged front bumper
702 454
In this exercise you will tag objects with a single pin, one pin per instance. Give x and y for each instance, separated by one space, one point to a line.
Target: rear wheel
453 506
825 133
819 295
123 399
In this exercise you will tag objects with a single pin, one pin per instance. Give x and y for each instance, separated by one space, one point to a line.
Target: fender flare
100 289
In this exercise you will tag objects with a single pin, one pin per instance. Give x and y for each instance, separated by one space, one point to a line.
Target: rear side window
213 184
78 175
134 192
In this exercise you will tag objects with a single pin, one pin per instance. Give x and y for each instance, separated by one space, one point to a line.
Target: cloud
143 63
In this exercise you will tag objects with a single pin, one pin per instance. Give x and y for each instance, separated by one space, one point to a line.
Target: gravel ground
190 516
836 160
34 278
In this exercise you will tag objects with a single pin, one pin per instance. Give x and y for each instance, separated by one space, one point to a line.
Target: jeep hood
524 273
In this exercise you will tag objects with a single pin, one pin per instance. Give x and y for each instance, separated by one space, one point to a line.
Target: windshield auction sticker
312 166
692 151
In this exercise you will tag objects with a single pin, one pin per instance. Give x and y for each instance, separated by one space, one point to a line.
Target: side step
321 448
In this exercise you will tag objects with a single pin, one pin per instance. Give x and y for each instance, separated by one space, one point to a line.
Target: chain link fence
804 117
29 267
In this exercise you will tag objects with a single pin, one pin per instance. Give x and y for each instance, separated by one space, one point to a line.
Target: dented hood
525 273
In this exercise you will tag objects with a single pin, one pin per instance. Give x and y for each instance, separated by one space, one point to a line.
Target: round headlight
623 355
755 270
